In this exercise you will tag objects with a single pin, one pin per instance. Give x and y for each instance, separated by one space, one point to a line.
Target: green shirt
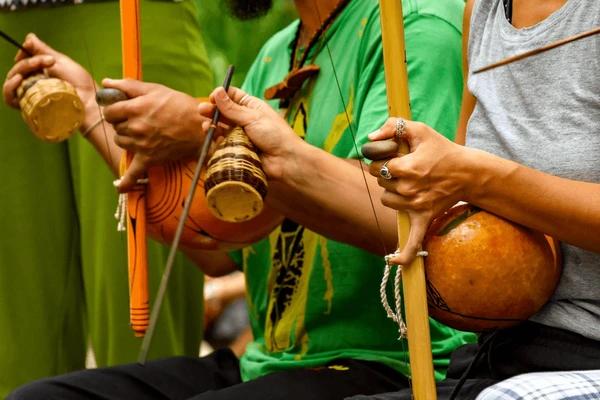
313 300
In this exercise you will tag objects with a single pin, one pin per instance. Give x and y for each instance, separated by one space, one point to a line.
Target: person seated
532 156
313 284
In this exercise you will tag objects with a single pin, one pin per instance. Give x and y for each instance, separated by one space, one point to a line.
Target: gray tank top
544 112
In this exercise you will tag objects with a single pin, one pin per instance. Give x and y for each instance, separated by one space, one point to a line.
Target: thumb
234 112
136 170
131 87
418 229
36 46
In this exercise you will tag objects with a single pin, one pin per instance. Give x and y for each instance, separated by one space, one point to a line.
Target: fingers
206 109
29 65
399 128
418 228
22 68
221 129
397 166
9 90
387 131
123 141
121 111
135 171
131 87
244 99
238 114
35 46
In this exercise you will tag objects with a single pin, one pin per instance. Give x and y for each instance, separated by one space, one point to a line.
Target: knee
42 389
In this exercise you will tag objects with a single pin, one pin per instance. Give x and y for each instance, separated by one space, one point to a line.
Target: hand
56 65
425 182
157 124
269 132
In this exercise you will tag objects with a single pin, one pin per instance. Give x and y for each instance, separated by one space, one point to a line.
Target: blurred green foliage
230 41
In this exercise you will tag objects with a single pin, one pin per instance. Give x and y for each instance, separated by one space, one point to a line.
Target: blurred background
230 41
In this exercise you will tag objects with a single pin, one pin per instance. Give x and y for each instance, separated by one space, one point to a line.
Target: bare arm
212 263
565 209
323 192
468 100
438 173
327 194
559 207
101 136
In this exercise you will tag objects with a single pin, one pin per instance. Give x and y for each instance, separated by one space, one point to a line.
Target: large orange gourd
484 272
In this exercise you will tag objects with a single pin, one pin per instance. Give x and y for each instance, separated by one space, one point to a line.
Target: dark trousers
499 355
214 377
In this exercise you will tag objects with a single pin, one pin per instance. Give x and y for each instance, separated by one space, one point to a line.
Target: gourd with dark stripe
483 272
235 183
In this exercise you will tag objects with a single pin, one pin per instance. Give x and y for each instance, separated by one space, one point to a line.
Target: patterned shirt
313 300
567 385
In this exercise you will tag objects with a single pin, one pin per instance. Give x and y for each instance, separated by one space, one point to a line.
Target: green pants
63 270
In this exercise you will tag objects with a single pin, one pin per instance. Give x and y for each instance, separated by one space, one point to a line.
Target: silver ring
384 172
400 128
244 98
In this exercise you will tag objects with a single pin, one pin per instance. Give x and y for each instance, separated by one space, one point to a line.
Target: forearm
329 195
565 209
225 288
100 134
212 263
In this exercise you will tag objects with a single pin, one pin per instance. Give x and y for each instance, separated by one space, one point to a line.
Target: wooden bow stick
550 46
137 256
413 275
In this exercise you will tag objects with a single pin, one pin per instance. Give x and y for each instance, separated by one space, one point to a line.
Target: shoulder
448 11
281 40
272 61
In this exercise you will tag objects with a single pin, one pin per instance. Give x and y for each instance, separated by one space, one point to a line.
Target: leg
41 299
172 378
469 391
338 380
574 385
462 358
182 65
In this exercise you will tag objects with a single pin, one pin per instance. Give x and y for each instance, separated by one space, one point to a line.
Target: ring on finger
244 99
400 128
384 171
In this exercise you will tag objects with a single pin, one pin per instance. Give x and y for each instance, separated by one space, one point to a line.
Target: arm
325 193
321 191
566 209
438 173
212 263
543 202
468 100
60 66
102 135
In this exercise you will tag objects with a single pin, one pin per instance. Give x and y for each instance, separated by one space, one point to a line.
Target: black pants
214 377
499 355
